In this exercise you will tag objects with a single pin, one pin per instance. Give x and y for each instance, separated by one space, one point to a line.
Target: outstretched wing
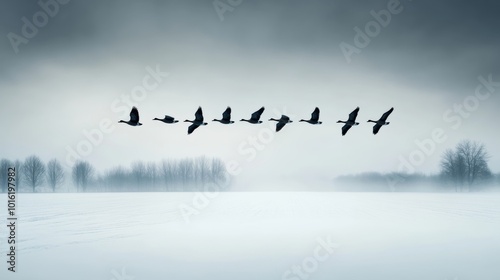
169 118
280 125
192 127
315 115
386 115
134 115
284 119
353 115
345 128
256 115
227 114
199 115
376 128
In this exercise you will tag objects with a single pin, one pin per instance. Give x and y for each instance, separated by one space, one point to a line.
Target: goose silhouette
197 121
134 118
350 122
314 117
255 118
167 119
382 121
226 117
281 122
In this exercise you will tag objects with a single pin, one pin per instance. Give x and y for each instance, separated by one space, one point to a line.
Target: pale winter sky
69 68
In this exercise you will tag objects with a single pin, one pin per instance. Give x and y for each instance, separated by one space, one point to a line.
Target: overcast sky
81 65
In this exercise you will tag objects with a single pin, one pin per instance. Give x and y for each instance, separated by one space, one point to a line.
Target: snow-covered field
243 236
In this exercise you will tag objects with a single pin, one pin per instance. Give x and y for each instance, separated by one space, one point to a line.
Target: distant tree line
405 182
33 175
462 169
389 182
167 175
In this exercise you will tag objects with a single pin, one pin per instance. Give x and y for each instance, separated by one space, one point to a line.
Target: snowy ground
243 236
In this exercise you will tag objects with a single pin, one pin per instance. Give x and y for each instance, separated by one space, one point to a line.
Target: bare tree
185 171
139 172
82 174
152 173
218 172
201 171
4 166
55 174
167 173
453 168
34 171
19 173
117 178
476 161
467 165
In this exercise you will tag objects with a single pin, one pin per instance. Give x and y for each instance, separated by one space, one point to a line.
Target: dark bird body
350 122
134 118
197 121
314 117
226 117
382 121
255 118
281 122
167 119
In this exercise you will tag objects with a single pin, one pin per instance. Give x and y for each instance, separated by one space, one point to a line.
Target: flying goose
350 122
197 121
255 117
167 119
381 121
226 117
281 122
314 117
134 118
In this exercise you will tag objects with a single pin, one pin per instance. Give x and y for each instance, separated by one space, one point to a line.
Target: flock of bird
255 119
